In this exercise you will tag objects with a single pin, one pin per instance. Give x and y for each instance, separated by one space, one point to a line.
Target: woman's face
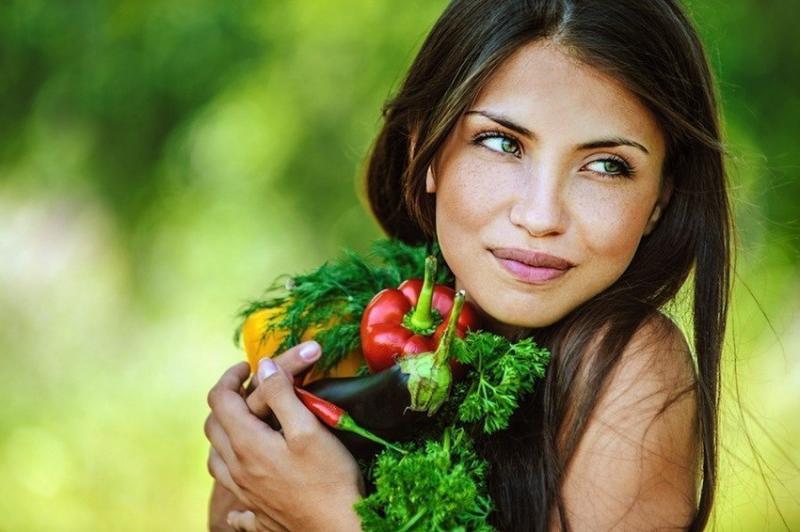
545 188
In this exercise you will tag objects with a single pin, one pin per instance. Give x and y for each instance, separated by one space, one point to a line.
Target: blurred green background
161 162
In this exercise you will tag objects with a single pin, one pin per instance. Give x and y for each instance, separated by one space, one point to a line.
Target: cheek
467 199
470 203
611 226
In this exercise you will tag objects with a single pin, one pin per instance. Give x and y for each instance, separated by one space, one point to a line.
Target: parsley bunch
437 486
502 372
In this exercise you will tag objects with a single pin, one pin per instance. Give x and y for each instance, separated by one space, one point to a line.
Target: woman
567 156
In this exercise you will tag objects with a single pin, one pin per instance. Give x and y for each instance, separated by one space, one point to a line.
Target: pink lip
531 266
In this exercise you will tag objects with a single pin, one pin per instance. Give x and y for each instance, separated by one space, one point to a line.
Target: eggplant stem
442 354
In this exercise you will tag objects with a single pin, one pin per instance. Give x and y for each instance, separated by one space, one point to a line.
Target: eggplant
380 403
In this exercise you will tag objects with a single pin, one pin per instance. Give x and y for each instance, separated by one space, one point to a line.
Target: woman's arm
299 478
636 467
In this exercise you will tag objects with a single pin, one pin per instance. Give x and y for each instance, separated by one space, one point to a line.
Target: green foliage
502 373
437 486
334 296
136 74
404 261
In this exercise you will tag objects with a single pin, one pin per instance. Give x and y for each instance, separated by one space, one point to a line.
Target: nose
539 205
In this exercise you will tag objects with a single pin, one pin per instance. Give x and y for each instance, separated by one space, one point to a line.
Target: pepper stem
421 318
442 353
346 422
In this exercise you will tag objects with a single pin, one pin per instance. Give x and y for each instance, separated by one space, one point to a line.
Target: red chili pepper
337 418
410 319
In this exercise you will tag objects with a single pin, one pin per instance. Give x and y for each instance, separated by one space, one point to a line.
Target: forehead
549 91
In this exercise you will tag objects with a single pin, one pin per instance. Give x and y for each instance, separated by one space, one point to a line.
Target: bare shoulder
657 361
636 466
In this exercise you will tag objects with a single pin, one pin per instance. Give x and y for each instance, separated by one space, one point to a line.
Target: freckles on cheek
463 200
612 229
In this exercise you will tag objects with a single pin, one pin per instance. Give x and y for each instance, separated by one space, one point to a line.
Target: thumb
289 363
277 393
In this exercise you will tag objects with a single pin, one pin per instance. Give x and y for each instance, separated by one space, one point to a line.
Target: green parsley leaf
502 373
438 486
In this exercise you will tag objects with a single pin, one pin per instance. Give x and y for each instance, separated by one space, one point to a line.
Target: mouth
532 267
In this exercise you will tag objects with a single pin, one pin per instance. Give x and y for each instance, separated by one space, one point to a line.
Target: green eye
610 167
499 143
508 146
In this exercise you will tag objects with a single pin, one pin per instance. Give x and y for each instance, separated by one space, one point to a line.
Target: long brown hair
653 49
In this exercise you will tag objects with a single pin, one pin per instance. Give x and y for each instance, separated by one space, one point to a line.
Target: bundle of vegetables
421 353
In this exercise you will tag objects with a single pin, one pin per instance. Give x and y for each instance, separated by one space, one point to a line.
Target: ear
430 182
658 208
654 216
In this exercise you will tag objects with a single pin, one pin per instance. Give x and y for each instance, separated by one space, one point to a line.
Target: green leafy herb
438 486
502 373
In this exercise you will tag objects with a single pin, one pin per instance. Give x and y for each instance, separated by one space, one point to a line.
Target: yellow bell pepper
257 344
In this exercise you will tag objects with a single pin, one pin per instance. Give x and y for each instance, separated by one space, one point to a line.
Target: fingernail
310 351
266 367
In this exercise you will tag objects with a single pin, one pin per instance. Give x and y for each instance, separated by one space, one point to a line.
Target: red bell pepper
410 319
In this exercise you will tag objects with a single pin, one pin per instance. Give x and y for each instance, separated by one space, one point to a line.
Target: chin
517 314
533 320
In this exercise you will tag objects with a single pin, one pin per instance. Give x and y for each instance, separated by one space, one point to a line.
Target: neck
511 332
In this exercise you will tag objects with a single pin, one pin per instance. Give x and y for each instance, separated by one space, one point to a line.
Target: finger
221 502
232 380
251 386
246 521
230 408
297 359
219 439
220 471
242 521
276 392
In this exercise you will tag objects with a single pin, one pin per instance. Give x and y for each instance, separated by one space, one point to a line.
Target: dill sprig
332 298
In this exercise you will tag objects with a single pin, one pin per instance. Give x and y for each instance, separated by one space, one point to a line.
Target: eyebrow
525 132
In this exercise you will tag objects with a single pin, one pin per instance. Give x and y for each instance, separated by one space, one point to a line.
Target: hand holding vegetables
405 334
410 340
301 479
